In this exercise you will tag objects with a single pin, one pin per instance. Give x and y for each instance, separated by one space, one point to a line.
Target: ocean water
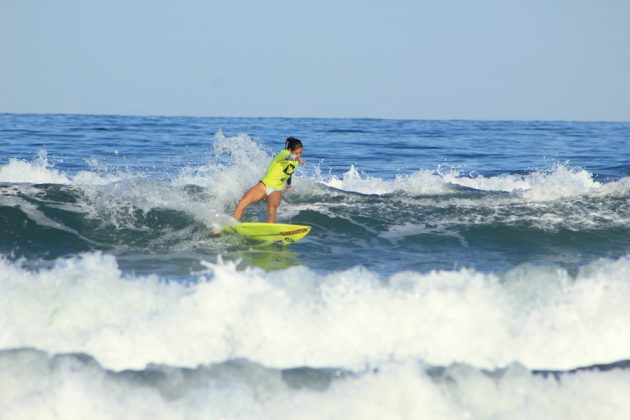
456 269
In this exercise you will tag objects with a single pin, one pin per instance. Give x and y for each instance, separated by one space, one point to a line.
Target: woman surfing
276 180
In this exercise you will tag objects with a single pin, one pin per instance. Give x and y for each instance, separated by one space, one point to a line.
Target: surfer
276 180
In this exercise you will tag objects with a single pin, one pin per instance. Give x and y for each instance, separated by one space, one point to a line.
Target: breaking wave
541 317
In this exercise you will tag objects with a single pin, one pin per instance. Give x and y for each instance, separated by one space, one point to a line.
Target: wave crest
561 181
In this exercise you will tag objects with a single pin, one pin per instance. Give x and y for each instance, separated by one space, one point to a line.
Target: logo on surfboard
294 232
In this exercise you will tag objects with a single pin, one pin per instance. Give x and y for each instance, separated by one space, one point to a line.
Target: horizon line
87 114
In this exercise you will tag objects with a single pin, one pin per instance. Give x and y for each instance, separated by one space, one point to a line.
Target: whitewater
456 269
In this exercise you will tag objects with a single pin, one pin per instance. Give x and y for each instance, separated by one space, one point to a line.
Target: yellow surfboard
270 232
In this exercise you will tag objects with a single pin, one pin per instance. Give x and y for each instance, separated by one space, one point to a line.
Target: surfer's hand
302 161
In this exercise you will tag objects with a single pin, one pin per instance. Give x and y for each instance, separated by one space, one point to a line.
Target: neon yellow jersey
279 170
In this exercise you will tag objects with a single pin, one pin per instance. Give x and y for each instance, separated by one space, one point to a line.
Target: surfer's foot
214 232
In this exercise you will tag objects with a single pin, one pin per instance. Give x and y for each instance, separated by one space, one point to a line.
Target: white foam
398 232
117 202
540 317
559 182
239 163
88 178
35 387
353 181
39 171
42 171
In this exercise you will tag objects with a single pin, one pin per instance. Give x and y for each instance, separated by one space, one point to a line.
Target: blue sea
455 269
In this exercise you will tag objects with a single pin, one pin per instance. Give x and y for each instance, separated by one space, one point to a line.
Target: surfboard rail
280 233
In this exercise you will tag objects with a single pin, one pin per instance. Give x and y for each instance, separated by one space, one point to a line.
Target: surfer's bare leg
253 195
273 201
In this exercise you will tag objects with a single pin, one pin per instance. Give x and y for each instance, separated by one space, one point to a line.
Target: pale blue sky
438 59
